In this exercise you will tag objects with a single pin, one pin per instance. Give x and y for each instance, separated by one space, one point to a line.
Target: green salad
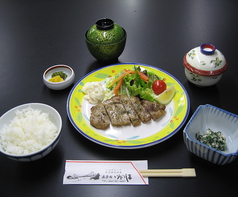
135 82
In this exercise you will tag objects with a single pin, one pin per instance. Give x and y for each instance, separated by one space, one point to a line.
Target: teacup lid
205 60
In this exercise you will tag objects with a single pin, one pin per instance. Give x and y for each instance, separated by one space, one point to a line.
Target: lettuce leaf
135 86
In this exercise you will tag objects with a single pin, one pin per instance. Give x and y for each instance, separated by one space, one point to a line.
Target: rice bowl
29 131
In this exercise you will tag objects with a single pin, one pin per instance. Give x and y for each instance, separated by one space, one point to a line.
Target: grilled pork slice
99 117
129 108
143 114
117 112
110 101
156 110
113 115
125 100
125 120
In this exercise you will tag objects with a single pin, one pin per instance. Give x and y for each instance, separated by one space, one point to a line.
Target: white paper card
105 172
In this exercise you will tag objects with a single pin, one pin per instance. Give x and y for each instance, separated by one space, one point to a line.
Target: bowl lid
205 60
105 31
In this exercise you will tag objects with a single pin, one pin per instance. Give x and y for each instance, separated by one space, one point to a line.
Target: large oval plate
128 137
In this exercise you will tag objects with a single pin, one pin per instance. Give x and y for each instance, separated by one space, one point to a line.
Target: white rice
29 131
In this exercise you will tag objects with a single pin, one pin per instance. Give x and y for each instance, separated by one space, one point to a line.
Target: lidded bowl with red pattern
204 65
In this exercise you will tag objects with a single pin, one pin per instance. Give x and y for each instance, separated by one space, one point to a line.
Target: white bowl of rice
30 131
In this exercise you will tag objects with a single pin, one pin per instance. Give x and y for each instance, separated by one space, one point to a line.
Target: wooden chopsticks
184 172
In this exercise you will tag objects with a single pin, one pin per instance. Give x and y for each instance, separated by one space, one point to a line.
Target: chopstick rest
184 172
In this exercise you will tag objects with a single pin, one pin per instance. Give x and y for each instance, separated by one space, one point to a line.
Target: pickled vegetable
56 79
59 73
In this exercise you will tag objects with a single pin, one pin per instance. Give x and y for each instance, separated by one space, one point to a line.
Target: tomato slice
159 86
